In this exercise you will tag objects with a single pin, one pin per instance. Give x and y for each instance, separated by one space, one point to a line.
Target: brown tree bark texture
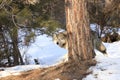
77 23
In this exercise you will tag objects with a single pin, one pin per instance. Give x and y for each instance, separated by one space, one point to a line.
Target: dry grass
64 71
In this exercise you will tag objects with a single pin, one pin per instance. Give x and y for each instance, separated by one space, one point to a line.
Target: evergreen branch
2 4
12 15
13 20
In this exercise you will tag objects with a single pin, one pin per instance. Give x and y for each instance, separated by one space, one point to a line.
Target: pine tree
79 41
23 19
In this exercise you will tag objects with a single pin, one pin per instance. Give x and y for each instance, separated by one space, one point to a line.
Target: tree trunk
16 53
6 48
79 41
17 56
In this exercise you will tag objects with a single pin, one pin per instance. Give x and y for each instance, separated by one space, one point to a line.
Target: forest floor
63 71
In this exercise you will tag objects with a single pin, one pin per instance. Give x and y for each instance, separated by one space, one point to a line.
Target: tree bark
16 53
79 41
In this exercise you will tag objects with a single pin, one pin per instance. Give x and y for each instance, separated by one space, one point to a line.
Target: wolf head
61 39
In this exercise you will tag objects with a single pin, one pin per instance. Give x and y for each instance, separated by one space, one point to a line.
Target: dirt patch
64 71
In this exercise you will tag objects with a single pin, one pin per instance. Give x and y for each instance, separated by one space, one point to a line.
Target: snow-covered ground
107 68
48 53
17 69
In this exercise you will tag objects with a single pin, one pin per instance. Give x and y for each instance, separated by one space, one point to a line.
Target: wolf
61 39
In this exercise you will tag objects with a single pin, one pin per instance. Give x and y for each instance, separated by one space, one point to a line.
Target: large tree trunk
79 41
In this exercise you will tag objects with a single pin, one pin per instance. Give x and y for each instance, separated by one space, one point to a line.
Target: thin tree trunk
6 49
17 56
79 41
16 53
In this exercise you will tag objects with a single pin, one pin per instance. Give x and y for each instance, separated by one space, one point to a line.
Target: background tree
104 13
20 22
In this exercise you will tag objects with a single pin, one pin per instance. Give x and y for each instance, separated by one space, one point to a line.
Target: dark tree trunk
16 53
79 41
17 56
6 48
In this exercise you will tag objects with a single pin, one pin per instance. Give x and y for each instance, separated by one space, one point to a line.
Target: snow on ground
17 69
45 51
107 68
48 53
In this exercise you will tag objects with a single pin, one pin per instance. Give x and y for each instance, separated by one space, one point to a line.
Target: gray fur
61 40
